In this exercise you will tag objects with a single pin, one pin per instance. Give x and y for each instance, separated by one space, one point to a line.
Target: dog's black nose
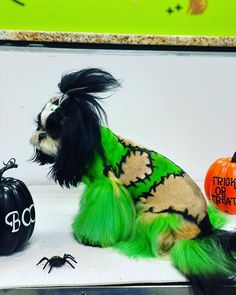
42 136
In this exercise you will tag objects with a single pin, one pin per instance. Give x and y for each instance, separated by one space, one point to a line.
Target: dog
135 200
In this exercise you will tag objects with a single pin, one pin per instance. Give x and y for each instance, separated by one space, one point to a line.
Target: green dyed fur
218 219
202 257
106 214
144 240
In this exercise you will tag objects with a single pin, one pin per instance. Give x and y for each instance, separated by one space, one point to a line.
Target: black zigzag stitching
156 184
134 147
123 161
115 167
170 210
138 179
107 169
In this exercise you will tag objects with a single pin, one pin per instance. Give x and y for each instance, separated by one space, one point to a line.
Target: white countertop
55 209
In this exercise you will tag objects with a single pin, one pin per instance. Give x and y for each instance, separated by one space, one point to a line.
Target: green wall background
119 16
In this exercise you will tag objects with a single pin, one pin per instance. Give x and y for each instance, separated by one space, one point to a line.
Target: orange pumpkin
220 184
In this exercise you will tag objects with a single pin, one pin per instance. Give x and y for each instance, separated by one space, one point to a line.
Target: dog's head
68 127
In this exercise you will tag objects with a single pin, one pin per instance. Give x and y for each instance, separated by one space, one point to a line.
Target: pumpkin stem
9 165
233 160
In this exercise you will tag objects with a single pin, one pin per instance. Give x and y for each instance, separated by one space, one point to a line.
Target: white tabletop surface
55 209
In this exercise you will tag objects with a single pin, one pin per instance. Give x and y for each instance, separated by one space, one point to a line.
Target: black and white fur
68 127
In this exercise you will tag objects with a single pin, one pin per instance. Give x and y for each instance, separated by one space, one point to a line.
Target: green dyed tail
207 262
202 256
106 213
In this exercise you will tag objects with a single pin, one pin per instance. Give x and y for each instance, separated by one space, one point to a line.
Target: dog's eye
39 127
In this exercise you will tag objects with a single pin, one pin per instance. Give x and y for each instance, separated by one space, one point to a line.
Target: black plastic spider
57 261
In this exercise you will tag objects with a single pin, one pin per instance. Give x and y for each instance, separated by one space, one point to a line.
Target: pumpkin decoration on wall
197 6
220 184
17 214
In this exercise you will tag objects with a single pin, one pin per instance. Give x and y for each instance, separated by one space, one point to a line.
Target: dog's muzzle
41 141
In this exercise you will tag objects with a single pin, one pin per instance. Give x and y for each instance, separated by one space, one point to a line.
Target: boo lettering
14 221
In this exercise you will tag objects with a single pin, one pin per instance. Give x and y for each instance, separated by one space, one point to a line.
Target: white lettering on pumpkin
27 210
13 219
15 222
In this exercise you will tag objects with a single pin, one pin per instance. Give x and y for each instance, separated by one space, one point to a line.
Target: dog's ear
80 127
80 138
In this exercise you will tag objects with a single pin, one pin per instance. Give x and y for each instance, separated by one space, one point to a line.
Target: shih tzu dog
135 199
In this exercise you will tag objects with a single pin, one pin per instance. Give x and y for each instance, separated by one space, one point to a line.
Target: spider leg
70 264
69 256
73 259
44 258
46 264
50 269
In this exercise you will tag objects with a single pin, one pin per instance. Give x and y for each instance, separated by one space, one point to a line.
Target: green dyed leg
153 235
106 214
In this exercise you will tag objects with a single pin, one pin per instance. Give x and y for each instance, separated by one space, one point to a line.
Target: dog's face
46 138
43 139
67 136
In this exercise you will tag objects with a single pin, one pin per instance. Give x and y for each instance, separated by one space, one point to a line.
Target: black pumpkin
17 213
